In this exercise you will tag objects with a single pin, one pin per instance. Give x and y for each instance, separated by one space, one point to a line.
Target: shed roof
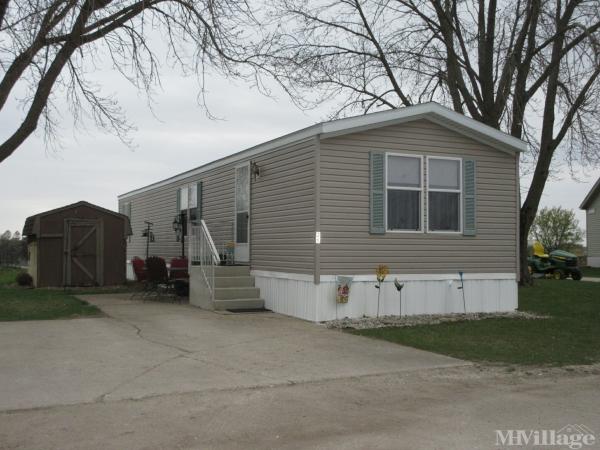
590 195
431 111
31 227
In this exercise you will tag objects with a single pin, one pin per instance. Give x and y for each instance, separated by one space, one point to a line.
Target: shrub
24 279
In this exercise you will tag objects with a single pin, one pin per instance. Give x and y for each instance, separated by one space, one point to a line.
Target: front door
242 213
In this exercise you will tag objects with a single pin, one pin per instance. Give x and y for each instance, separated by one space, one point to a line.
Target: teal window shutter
178 201
377 192
199 201
469 203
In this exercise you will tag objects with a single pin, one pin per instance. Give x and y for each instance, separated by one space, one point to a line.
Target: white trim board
432 111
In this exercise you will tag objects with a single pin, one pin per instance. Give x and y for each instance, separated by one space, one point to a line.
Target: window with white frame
444 190
187 204
404 186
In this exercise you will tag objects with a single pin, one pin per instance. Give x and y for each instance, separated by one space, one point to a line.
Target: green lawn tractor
558 264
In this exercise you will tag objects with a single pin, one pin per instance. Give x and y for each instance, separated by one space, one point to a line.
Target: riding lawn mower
558 264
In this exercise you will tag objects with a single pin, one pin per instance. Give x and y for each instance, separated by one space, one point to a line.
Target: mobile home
428 192
591 205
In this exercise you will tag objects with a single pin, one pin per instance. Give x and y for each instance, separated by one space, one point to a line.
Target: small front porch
215 285
232 288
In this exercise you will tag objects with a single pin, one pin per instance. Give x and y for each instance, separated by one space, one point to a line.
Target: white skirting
129 273
297 295
593 261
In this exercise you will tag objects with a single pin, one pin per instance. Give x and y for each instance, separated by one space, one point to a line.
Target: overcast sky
96 167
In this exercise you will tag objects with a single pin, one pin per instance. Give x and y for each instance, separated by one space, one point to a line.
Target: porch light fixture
255 170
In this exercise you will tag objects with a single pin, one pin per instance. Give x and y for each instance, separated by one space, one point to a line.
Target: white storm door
242 213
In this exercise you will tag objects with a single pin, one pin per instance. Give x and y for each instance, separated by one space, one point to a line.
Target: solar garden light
462 288
399 287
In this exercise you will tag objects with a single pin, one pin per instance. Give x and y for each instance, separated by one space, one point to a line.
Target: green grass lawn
7 275
591 272
17 303
42 304
570 336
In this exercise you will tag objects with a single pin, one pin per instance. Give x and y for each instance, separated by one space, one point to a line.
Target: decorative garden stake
462 288
381 273
399 287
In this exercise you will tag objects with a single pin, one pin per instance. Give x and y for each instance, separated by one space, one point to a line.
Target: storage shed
77 245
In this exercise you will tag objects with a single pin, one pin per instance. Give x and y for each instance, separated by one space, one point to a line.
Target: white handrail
213 248
203 253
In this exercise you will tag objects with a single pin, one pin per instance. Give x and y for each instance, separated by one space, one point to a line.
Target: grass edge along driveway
18 303
570 336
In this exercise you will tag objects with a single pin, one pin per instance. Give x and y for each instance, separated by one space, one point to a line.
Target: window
192 203
403 191
187 204
444 194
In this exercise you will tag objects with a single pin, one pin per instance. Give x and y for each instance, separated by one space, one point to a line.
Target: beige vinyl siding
157 206
348 248
281 211
593 228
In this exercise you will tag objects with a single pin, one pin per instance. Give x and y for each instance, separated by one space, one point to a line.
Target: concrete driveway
148 349
156 376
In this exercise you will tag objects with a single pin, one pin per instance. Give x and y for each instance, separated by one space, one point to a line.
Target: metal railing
203 253
222 233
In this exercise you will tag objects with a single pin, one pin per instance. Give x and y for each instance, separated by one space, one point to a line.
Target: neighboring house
77 245
423 189
591 205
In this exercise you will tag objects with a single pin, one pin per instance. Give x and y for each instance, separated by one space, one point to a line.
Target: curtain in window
444 211
403 209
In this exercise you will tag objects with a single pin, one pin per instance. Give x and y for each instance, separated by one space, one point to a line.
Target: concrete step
239 303
234 282
232 293
232 271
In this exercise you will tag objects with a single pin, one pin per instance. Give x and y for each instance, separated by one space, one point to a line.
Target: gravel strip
425 319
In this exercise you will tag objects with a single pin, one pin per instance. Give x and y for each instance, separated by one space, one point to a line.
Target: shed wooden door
83 253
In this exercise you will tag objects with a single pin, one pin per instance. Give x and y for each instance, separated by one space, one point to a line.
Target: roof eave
432 111
590 195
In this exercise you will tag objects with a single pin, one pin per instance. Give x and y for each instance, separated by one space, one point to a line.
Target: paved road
156 376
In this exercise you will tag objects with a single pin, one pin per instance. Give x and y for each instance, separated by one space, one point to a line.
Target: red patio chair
179 269
180 276
139 269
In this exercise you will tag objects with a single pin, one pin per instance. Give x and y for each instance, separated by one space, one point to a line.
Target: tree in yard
556 228
528 67
50 48
13 249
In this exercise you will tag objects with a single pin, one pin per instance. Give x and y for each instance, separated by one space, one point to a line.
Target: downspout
518 218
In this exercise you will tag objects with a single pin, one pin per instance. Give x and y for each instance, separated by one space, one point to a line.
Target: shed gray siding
281 210
348 248
592 227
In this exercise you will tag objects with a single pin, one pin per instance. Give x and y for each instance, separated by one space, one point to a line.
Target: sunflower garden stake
381 273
